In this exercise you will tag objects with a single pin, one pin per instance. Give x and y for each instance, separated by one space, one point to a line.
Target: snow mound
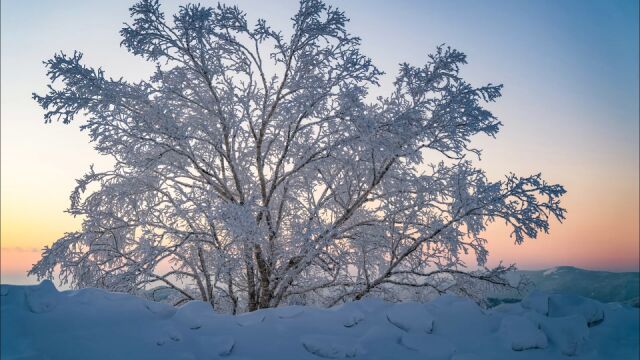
568 333
537 301
330 347
411 317
563 305
38 322
169 334
290 312
455 316
222 345
192 313
250 319
163 311
42 298
522 334
353 318
431 346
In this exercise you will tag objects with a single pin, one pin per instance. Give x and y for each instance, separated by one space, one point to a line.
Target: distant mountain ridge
604 286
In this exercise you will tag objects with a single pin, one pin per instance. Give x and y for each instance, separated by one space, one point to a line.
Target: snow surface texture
40 323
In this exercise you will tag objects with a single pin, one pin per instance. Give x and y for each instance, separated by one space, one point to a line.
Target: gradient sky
570 109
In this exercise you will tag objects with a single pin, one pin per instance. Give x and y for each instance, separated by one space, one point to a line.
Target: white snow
38 322
537 301
327 346
562 305
569 333
411 317
521 333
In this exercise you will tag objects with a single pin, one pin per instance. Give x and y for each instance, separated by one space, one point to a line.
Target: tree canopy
252 169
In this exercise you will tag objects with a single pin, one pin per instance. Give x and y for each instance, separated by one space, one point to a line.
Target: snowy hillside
38 322
603 286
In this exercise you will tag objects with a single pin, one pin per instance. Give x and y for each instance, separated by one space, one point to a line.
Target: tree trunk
265 274
251 285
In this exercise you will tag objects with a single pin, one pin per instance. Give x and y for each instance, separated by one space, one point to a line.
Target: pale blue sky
570 105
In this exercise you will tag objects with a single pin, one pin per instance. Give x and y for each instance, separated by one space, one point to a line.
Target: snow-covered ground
38 322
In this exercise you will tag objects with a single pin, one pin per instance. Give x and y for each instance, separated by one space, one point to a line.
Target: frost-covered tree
252 169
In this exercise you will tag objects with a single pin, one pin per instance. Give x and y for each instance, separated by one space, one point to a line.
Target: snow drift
39 322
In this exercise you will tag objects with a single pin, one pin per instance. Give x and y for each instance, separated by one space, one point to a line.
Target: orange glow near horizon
591 237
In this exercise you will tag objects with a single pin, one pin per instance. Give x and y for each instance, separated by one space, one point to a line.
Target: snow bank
40 323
